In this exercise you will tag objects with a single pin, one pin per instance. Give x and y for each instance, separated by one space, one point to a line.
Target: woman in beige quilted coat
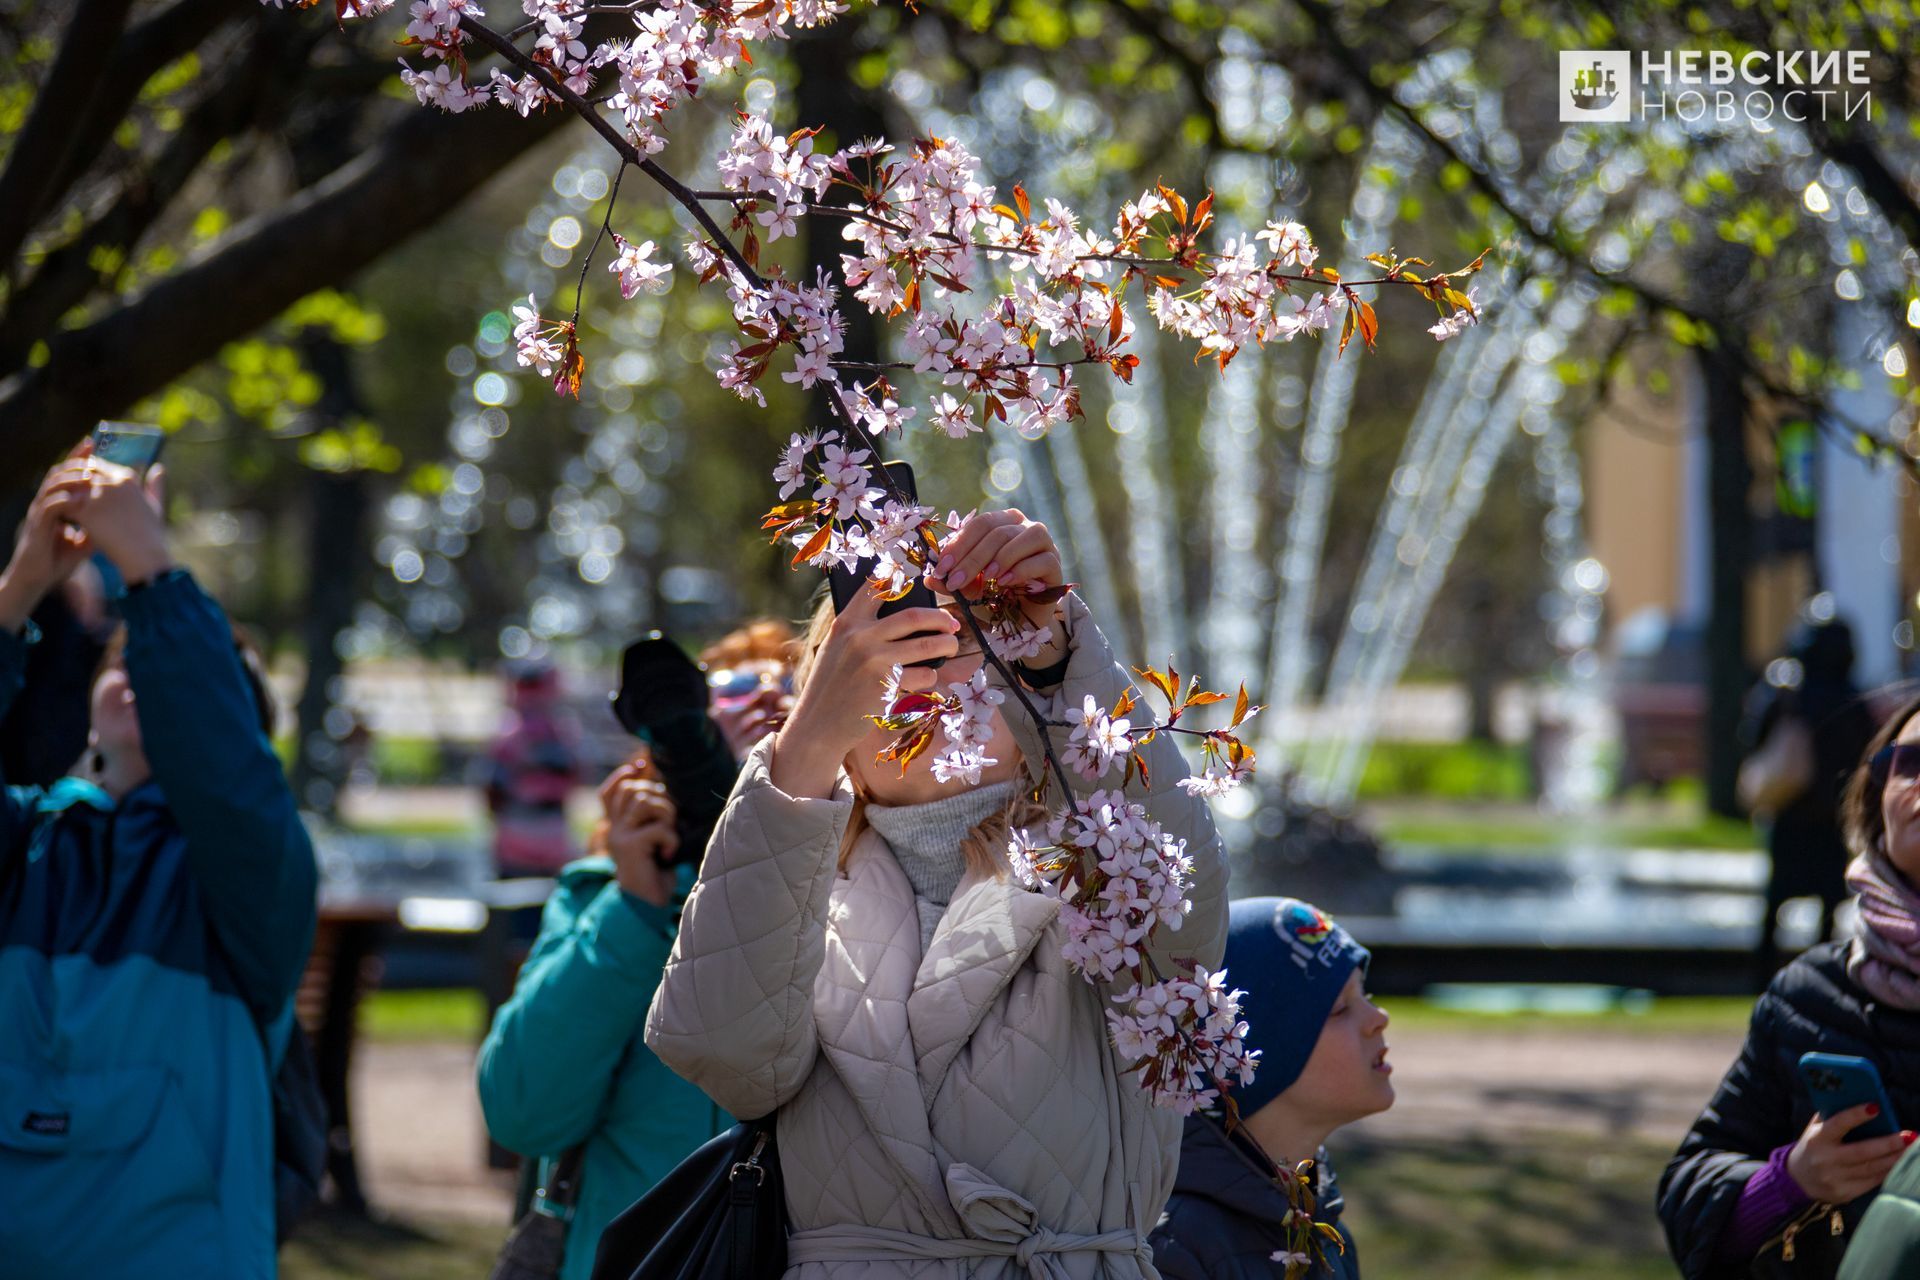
855 957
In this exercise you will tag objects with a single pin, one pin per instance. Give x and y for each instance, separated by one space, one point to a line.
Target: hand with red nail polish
1831 1169
1009 550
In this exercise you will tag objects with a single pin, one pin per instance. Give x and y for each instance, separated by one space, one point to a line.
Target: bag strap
744 1182
558 1189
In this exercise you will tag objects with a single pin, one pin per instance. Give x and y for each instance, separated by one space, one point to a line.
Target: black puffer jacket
1224 1220
1761 1104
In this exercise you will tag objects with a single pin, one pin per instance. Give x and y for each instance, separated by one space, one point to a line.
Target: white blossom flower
637 270
963 763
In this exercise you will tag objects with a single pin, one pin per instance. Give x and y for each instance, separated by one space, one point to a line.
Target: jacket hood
1226 1171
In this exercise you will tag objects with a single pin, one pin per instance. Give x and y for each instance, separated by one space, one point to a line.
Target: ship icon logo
1595 84
1593 88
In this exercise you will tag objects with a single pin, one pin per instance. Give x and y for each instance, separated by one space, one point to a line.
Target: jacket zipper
1836 1225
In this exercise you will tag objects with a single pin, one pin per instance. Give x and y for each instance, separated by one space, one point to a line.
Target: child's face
1347 1077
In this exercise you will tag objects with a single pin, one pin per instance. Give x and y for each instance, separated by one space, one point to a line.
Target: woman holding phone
1764 1184
156 910
855 957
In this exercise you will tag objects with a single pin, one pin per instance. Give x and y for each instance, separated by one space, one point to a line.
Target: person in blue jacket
564 1063
155 918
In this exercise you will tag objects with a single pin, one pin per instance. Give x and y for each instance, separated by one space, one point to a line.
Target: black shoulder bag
537 1245
720 1215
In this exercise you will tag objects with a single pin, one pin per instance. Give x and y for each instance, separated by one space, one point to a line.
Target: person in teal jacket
155 918
564 1063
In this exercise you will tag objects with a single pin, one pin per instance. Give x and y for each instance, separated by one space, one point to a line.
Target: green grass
1446 771
400 828
412 1017
335 1247
1661 829
407 762
1535 1209
1666 1015
401 1017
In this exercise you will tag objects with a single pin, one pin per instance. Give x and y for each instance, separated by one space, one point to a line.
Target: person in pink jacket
856 958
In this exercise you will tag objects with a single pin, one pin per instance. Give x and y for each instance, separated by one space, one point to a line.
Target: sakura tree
1000 305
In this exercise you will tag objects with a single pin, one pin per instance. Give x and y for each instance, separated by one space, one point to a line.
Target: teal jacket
564 1062
142 947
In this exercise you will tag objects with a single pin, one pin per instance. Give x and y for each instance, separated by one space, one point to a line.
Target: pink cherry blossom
637 271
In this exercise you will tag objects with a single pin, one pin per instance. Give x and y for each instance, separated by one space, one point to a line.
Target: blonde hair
983 849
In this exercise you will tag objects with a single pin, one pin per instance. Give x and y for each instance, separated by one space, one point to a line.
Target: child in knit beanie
1323 1064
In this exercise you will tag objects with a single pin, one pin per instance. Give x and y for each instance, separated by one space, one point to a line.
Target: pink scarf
1885 957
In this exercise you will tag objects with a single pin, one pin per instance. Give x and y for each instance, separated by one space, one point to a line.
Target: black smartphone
844 582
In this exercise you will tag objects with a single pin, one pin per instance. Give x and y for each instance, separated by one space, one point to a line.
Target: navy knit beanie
1292 960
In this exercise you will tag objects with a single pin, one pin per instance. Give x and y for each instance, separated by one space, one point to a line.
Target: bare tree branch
420 169
87 123
47 137
268 72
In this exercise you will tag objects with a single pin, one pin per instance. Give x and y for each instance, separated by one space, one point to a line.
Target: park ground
1523 1145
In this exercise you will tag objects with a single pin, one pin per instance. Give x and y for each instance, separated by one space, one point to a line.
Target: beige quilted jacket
958 1113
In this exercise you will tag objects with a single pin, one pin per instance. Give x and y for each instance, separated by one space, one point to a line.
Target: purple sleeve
1770 1197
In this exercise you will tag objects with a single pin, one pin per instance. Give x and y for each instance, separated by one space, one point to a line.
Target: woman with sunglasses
563 1066
1764 1185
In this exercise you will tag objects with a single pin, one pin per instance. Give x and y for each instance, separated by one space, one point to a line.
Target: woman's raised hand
1008 548
118 512
50 547
1831 1169
861 650
640 831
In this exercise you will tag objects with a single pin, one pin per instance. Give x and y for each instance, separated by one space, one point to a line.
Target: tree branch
68 274
141 52
420 169
620 143
47 137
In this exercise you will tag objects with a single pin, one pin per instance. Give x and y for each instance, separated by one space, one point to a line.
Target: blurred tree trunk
1730 549
827 96
1483 660
339 504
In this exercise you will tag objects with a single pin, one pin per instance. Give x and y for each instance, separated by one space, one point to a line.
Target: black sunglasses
1896 760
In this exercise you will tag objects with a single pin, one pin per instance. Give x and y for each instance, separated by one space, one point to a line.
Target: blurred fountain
1138 418
1392 155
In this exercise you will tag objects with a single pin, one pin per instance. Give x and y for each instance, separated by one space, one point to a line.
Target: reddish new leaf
814 546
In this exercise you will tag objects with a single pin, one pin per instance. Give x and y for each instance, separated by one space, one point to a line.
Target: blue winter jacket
565 1064
142 947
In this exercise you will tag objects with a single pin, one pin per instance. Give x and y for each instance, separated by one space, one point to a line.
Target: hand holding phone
1840 1082
845 583
131 444
829 716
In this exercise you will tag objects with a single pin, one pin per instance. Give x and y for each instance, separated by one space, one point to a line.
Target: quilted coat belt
999 1223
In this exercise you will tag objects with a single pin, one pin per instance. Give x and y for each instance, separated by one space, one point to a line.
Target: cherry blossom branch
606 229
815 209
628 152
584 11
881 366
1018 689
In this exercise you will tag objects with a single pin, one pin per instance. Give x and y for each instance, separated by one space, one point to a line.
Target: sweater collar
925 838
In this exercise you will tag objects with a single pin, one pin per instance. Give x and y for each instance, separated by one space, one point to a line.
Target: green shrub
407 762
1446 771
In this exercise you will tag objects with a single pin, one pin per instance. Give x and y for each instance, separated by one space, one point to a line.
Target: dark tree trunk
827 96
1730 521
1483 660
339 507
